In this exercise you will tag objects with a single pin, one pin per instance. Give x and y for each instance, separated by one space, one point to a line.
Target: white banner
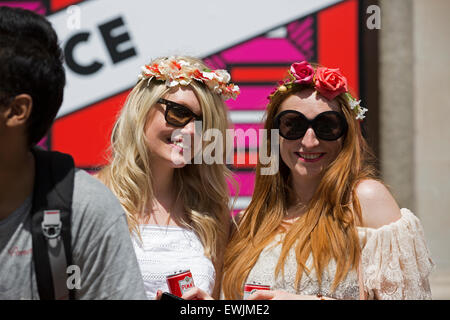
106 41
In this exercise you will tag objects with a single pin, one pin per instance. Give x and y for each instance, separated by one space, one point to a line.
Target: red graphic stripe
85 134
61 4
245 160
338 40
258 74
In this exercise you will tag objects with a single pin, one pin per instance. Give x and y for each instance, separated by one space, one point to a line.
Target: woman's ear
18 111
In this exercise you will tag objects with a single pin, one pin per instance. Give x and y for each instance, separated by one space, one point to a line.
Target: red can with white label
249 288
180 282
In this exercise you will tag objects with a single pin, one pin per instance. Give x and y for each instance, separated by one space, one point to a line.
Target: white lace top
395 264
166 250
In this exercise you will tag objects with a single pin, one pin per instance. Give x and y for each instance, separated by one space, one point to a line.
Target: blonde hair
327 230
202 188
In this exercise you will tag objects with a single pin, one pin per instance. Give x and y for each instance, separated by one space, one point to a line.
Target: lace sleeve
395 260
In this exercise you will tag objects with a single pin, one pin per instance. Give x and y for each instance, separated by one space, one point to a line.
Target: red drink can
249 288
180 282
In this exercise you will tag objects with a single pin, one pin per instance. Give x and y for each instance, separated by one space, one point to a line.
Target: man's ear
19 110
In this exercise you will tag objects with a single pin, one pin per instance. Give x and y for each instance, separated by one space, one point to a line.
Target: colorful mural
328 36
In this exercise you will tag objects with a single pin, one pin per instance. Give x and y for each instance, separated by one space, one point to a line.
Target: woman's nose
189 128
310 140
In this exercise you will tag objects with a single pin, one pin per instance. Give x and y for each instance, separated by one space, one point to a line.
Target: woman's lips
310 156
176 147
176 144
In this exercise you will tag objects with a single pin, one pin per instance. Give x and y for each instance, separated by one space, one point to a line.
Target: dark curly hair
31 62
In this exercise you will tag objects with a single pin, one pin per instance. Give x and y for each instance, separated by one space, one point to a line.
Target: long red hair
328 228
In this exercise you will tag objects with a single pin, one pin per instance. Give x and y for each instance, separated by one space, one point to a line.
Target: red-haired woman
323 226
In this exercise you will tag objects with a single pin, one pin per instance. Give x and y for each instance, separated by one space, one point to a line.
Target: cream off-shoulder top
395 264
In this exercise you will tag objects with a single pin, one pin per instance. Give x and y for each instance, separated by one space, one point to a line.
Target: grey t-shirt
101 247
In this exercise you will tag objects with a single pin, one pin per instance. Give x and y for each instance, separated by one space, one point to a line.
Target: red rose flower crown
328 82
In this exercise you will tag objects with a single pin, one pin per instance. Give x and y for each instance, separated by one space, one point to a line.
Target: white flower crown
177 71
355 105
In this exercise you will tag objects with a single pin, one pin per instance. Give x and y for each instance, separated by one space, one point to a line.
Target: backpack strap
51 223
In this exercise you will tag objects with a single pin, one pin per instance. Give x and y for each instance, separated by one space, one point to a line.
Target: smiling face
307 157
165 148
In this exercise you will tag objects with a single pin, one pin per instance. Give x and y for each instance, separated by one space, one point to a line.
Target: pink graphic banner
35 6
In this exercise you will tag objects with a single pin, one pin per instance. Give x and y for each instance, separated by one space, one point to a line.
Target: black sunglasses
178 115
328 125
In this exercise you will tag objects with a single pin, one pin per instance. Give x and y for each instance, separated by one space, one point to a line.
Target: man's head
32 76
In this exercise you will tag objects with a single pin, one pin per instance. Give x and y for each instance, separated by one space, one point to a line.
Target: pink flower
302 71
330 82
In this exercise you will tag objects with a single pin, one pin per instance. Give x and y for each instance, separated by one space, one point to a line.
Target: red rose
302 72
330 82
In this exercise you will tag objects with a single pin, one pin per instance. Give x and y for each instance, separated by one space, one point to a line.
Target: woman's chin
308 173
178 165
178 161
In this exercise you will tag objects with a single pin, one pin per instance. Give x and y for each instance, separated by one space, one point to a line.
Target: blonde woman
177 209
323 227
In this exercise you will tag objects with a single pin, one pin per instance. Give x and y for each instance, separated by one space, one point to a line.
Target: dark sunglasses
328 125
178 115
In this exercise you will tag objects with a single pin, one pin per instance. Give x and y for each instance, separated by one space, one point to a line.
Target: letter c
70 61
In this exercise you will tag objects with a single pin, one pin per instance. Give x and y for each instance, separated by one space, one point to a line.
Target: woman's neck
303 191
162 182
163 209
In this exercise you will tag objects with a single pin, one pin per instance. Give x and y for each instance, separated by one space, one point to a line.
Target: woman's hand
282 295
158 295
196 294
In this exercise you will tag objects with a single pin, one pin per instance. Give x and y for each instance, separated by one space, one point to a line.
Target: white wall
432 132
415 119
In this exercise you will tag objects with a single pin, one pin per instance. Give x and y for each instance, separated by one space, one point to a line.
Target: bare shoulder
378 206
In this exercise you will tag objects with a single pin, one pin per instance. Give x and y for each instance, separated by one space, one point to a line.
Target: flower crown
177 71
328 82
